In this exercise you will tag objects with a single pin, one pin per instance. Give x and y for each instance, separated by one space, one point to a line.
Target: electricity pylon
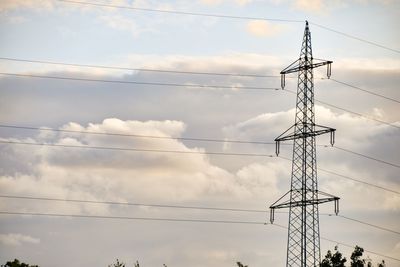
303 246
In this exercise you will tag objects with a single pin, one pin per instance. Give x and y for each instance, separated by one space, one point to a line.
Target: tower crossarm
299 66
321 198
313 130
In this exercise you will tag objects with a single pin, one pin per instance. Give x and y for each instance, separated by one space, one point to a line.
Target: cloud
269 125
218 2
262 28
17 239
121 23
8 5
309 5
106 174
211 2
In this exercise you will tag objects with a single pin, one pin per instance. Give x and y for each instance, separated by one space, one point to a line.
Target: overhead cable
187 139
138 135
179 12
365 91
370 224
140 69
350 178
170 220
346 245
191 73
228 17
367 157
128 218
178 207
349 111
136 149
232 87
355 37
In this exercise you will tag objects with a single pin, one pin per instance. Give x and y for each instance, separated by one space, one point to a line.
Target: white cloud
309 5
105 174
17 239
7 5
269 125
263 28
121 23
218 2
211 2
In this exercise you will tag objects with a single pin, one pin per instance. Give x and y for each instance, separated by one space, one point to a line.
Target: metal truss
303 198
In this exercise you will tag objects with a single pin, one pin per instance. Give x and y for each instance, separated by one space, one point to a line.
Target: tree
118 264
333 260
16 263
356 260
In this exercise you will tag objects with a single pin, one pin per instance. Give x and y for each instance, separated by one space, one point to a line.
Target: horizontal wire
181 207
137 82
138 135
170 220
355 37
136 149
349 178
364 90
128 218
179 12
131 204
365 250
188 139
349 111
367 157
190 72
140 69
344 244
370 224
229 17
192 152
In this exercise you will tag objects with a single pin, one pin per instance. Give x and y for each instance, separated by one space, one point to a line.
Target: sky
132 39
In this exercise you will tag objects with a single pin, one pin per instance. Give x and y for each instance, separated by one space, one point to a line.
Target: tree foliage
333 260
16 263
356 259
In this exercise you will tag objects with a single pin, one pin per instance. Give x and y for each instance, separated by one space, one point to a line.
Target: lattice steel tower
303 246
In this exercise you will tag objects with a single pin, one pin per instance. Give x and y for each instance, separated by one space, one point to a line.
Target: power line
188 72
358 180
364 90
351 178
137 82
138 135
179 12
355 37
170 220
366 250
132 204
367 157
191 152
185 139
140 69
136 149
346 245
128 218
177 207
228 17
370 224
349 111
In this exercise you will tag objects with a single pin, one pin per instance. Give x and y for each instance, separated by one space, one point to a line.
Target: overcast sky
50 30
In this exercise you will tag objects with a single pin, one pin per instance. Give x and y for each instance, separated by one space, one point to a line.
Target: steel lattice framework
303 246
